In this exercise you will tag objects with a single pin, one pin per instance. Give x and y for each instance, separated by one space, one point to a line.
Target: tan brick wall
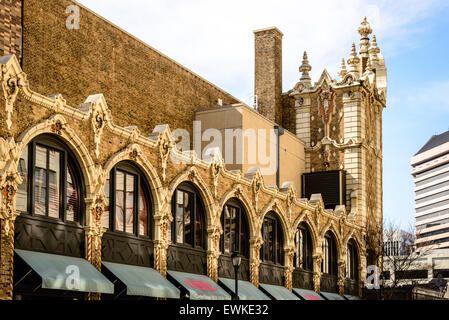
268 73
10 27
142 86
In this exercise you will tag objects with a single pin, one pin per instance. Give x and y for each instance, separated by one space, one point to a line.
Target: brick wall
142 86
10 27
268 73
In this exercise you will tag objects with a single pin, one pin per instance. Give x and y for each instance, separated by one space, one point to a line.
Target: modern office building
430 170
92 173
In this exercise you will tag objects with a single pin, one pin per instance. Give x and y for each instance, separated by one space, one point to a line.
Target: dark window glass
128 202
235 230
53 178
272 248
303 246
188 215
72 196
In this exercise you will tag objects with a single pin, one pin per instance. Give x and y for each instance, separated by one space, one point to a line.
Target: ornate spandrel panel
271 274
186 259
127 249
49 235
351 287
226 269
302 279
328 283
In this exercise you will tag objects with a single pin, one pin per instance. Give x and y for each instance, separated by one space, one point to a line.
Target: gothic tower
341 123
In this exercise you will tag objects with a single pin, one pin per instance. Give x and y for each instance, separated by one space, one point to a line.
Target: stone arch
58 126
329 227
191 175
304 217
237 193
134 154
274 206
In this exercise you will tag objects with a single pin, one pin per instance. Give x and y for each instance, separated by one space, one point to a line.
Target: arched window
130 206
188 216
52 182
273 240
235 229
303 248
329 263
352 261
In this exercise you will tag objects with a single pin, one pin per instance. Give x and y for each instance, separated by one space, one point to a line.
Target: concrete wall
241 117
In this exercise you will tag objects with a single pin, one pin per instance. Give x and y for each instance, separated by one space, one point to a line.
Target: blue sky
215 40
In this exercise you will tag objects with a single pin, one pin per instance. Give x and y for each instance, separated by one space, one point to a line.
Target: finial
343 70
365 28
353 62
373 50
364 31
305 69
368 68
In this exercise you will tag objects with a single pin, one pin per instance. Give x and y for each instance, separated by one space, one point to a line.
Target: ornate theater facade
102 179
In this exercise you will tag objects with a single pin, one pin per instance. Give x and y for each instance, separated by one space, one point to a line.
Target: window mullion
31 173
193 221
124 202
136 206
63 185
47 184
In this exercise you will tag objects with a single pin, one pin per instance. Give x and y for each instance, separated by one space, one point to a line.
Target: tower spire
364 31
353 62
374 50
343 70
305 69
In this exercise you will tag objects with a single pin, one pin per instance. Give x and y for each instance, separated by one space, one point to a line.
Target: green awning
66 273
142 281
247 291
278 292
351 297
332 296
200 287
308 294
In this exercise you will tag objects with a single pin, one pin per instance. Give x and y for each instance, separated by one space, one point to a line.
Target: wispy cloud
215 39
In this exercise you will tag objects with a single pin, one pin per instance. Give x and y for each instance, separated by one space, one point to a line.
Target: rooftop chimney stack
268 72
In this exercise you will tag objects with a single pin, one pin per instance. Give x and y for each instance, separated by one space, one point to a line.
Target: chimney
268 72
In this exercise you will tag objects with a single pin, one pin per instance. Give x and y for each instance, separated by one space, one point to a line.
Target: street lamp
236 260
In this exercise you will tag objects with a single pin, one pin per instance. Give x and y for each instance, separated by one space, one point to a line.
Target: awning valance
307 294
332 296
278 292
247 291
199 287
143 281
66 273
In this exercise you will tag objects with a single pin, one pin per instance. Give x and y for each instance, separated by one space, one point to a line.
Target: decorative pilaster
94 233
362 274
341 276
161 244
254 262
213 253
6 258
288 268
317 258
10 179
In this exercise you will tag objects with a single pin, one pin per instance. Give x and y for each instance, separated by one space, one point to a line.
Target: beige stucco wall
256 143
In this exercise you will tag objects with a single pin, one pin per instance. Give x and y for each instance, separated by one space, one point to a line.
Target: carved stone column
161 242
317 258
93 234
6 258
341 276
362 274
9 182
254 262
213 253
288 268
